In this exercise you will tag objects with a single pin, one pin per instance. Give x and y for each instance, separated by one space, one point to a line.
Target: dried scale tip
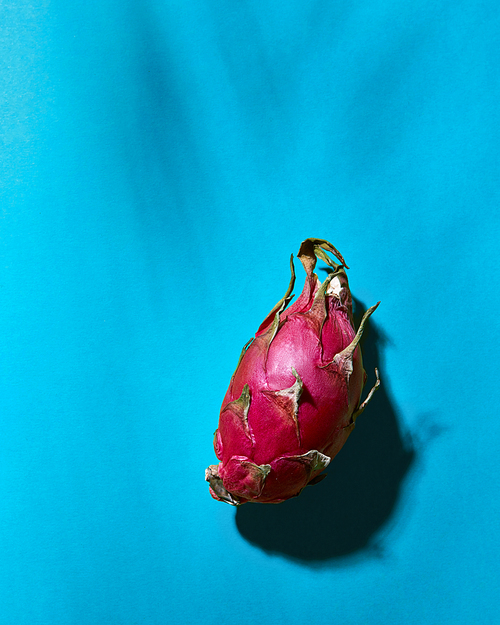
296 393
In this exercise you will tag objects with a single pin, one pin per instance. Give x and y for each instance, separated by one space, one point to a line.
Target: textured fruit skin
296 392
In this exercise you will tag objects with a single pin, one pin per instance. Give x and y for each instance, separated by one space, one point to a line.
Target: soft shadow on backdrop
343 515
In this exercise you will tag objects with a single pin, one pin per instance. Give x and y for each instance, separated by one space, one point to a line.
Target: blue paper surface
160 163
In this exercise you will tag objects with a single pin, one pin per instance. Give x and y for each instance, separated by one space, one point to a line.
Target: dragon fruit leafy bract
296 392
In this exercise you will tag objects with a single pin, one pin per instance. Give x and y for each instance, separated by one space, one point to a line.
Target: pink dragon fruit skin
296 392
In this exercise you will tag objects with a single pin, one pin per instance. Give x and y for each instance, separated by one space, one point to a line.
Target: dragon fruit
296 392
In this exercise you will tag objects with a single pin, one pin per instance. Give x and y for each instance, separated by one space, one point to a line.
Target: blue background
159 163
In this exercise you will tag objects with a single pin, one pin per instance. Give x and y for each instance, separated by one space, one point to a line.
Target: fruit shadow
344 514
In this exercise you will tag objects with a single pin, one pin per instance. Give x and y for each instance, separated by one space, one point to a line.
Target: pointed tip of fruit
217 489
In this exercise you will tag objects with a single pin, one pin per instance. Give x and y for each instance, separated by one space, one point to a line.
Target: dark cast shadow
342 515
